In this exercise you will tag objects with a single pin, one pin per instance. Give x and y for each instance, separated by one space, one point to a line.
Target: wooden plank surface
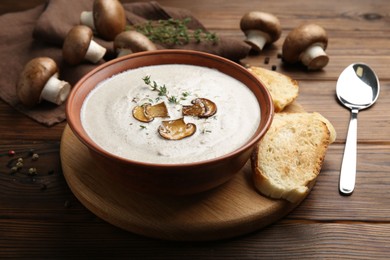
41 218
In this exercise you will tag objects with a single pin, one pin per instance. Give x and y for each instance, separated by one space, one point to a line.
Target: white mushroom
39 81
307 44
107 18
79 46
132 41
260 29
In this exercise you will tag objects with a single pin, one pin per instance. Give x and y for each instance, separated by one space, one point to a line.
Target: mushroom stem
123 52
95 52
314 57
257 39
55 90
86 18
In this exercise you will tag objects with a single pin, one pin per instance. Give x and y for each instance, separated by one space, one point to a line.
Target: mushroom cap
109 18
133 40
299 39
33 78
76 44
265 22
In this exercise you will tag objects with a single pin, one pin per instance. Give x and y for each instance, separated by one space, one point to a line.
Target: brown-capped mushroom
307 44
79 46
107 18
39 80
132 41
202 107
260 29
146 113
176 129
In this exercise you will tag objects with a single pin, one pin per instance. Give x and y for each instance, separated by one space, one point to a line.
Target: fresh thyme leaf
173 99
142 127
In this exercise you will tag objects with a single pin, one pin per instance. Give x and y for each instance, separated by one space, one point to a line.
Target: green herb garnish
174 32
162 90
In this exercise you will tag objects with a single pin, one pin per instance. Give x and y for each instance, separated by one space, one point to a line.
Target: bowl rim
82 136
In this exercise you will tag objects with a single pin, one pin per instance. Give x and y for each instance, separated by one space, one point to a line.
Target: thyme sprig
174 32
162 90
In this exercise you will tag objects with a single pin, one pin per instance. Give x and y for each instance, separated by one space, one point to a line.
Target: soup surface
107 113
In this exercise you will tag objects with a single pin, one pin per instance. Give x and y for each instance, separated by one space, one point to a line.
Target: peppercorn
14 169
32 171
19 165
35 157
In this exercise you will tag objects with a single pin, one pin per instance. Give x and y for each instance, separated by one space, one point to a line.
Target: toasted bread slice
283 89
288 159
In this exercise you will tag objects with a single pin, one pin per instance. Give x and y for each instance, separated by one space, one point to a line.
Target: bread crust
287 161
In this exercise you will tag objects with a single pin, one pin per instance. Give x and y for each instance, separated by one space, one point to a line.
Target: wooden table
41 218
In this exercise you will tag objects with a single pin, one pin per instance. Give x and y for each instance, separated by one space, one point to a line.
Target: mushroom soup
170 114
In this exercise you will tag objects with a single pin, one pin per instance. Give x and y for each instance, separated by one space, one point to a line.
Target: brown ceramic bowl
175 179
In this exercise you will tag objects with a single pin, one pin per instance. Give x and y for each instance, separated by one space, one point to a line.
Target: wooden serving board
232 209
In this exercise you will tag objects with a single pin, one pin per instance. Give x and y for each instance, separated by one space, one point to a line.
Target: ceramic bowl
174 179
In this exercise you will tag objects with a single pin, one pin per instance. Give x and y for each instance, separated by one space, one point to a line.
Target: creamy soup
108 119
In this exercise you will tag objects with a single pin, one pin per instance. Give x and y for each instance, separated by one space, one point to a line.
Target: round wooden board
232 209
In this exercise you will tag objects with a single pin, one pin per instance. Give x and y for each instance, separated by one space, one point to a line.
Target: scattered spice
273 67
279 55
266 60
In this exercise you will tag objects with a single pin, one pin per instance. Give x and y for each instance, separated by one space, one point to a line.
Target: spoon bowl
357 88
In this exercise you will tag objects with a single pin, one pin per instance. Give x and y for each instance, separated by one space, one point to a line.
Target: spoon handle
348 166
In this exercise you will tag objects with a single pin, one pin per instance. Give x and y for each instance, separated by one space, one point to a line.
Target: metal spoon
357 88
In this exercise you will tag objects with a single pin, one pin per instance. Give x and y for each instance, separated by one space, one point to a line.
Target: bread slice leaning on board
288 159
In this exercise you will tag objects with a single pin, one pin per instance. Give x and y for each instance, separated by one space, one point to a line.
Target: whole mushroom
79 46
132 41
39 81
107 18
306 43
260 29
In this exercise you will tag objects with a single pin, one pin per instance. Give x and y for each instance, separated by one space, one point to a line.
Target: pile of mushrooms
305 44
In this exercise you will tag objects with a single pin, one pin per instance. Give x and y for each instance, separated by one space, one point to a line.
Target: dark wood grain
41 218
